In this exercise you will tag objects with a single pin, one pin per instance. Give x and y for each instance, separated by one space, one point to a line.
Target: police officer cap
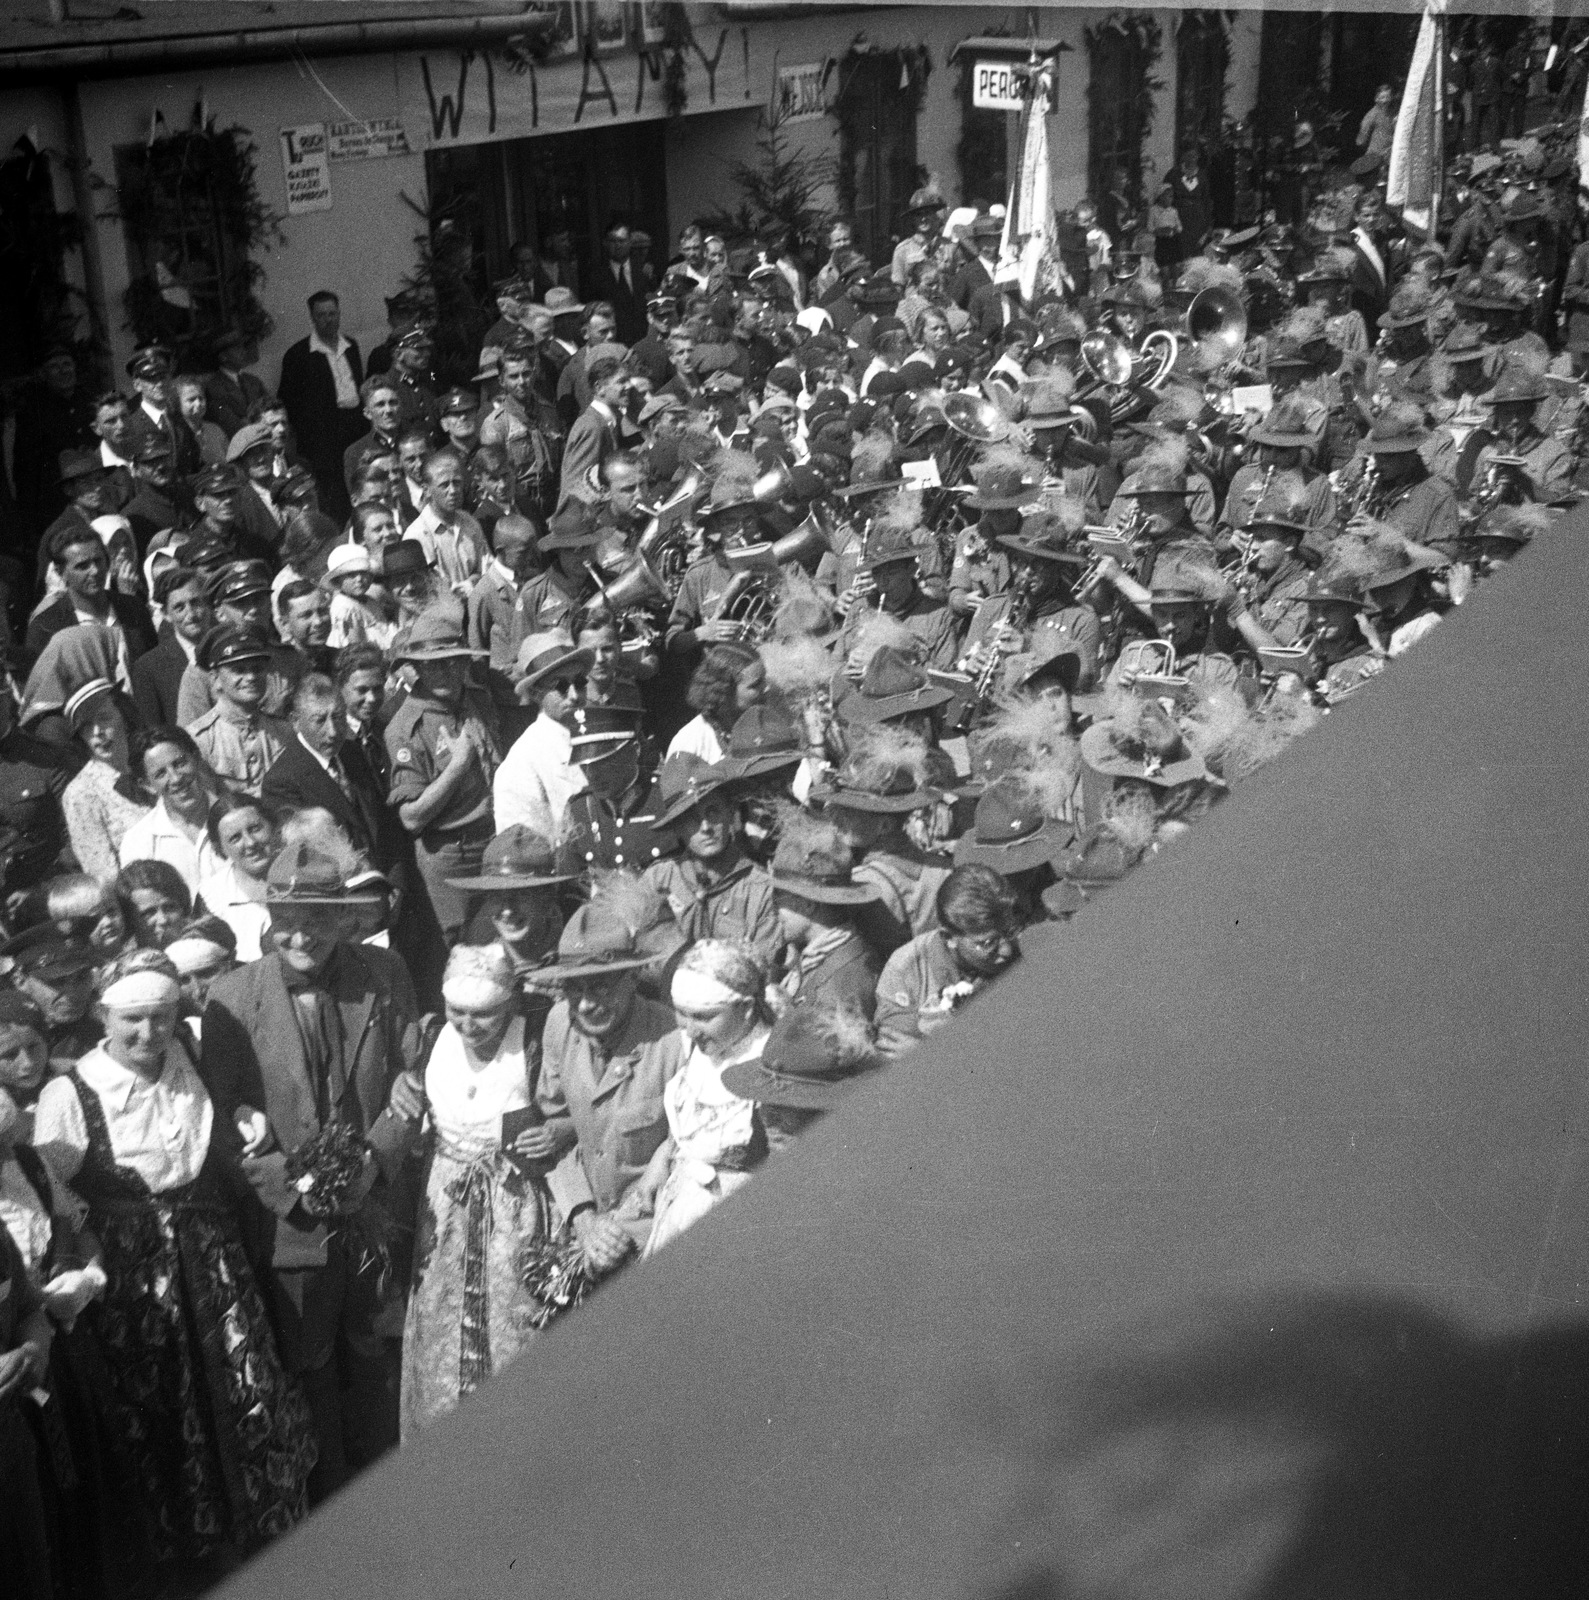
414 338
228 644
459 403
45 952
153 447
218 482
150 361
239 580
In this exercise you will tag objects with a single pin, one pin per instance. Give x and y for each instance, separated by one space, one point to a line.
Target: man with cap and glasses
238 739
538 776
607 1053
444 751
320 1029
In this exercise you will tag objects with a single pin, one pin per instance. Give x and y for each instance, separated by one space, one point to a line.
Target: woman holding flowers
216 1438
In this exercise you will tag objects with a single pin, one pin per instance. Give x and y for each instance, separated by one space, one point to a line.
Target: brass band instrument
973 422
1366 495
1217 319
1116 542
631 596
749 602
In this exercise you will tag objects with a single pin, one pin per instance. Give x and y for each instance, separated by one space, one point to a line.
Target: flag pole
1437 194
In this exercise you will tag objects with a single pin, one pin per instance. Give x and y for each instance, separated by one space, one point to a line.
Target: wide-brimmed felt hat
801 1066
1155 479
815 872
570 527
864 784
1410 305
517 858
764 738
75 464
595 941
1286 503
1052 658
1465 341
1012 832
892 686
1395 431
1163 762
561 302
1003 488
1042 538
886 545
1515 386
435 635
1487 295
1285 426
684 782
1334 585
303 874
912 216
1098 858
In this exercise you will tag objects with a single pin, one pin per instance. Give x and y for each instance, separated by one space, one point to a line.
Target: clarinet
1018 618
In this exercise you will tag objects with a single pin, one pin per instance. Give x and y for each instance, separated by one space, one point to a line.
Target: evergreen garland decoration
191 203
1139 33
446 280
778 186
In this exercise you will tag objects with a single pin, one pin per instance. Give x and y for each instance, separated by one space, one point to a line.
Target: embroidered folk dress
218 1439
468 1312
713 1135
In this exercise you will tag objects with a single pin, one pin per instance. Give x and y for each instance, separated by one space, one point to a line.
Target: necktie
320 1029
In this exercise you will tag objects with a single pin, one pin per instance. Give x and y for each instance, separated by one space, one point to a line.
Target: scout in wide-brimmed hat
813 862
1003 486
571 527
812 1059
517 858
684 782
435 635
1397 430
1043 536
596 942
1285 426
1098 860
765 738
1155 478
876 784
304 875
892 686
1409 307
1012 833
1147 746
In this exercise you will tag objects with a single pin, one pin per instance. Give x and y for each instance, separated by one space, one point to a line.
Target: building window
983 151
879 96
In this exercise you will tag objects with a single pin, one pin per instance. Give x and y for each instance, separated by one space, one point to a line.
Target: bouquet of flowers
952 996
557 1277
325 1167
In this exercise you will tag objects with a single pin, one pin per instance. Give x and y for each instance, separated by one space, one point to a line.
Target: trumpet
1114 542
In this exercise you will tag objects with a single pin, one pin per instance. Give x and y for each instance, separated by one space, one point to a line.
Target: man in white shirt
455 545
320 378
538 776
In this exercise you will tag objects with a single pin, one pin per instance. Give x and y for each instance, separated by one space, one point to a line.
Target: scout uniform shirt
700 595
610 1090
420 737
739 905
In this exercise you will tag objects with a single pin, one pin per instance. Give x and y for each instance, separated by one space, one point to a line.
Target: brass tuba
1216 317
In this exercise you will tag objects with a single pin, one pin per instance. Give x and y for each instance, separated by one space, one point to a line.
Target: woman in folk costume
486 1199
217 1438
713 1137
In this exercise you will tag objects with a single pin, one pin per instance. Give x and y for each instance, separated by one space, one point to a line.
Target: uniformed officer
150 371
411 352
444 752
56 972
550 600
239 594
236 736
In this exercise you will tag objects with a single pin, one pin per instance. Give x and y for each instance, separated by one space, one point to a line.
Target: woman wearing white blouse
216 1436
485 1203
184 787
714 1137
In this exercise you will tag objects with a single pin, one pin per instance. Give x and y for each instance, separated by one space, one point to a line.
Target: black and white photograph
792 800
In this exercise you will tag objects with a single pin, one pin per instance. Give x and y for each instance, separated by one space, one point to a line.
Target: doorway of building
877 148
525 190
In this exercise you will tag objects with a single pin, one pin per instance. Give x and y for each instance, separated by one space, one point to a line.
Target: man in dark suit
316 1030
183 595
594 435
320 378
983 248
324 768
1189 195
616 282
79 555
230 390
156 414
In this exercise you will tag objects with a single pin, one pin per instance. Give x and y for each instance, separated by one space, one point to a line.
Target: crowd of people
452 839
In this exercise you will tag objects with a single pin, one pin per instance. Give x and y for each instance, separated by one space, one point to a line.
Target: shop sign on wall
307 164
801 95
996 86
366 141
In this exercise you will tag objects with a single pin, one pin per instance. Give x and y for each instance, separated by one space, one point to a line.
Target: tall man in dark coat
320 378
320 1029
618 283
